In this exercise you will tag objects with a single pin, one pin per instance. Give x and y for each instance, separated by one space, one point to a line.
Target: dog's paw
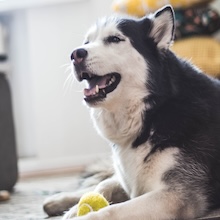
59 203
71 213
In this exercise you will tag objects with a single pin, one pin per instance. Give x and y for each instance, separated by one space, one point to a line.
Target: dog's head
115 58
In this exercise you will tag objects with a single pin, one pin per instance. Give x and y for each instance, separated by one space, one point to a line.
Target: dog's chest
138 176
120 126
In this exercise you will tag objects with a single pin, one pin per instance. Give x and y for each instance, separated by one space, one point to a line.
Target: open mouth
99 86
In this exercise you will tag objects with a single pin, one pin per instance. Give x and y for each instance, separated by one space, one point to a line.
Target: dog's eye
86 42
113 39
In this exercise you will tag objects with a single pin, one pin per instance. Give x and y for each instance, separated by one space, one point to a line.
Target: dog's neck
121 125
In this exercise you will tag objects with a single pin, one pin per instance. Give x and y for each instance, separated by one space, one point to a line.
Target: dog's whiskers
70 78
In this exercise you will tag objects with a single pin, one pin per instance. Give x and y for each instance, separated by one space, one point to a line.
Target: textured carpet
28 196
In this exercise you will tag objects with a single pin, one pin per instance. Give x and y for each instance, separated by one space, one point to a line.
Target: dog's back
187 115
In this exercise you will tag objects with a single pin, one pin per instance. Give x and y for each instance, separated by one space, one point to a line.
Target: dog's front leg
61 202
110 189
155 205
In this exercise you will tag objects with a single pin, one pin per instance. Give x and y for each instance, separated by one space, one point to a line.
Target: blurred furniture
8 158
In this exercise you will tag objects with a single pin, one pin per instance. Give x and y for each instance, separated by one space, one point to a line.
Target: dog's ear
162 30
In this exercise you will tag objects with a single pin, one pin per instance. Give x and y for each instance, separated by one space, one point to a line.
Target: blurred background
52 127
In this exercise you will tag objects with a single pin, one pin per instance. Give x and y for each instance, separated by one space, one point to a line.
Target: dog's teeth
97 89
112 80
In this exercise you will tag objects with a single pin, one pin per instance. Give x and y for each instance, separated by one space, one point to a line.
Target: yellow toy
91 202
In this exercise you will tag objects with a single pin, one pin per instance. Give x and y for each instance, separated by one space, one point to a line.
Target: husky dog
161 114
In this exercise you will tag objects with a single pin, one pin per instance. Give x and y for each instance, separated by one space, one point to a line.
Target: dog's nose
79 55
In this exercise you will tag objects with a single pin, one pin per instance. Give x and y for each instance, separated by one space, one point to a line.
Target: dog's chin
99 87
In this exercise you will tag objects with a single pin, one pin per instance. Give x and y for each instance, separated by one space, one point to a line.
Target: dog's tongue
95 84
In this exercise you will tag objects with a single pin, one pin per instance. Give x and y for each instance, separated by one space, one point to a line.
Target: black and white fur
162 118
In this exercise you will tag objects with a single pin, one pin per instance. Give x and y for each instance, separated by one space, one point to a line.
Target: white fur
118 123
138 178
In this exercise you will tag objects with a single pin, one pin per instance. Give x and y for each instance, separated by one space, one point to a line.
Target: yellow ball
91 202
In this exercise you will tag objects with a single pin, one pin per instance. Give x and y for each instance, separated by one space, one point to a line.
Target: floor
29 193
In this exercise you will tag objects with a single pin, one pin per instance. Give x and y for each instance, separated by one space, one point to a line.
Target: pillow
142 7
196 21
204 52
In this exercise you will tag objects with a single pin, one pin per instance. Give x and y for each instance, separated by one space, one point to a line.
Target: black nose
78 55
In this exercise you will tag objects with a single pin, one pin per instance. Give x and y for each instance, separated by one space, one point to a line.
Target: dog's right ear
162 30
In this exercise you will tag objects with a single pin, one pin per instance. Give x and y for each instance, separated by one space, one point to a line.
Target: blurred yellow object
142 7
204 52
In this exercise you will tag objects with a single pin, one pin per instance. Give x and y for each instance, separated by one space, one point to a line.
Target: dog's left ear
162 30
